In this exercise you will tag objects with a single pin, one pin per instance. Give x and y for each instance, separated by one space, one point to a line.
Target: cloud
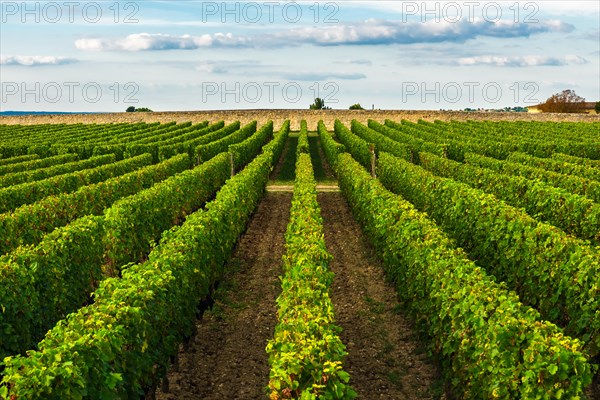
211 68
33 61
385 32
355 62
321 76
160 41
229 66
368 32
521 61
254 68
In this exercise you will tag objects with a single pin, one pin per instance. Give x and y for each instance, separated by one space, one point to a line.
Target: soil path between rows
385 358
227 359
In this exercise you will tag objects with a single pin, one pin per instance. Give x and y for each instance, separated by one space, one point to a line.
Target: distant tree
143 109
130 109
319 104
597 107
564 102
356 106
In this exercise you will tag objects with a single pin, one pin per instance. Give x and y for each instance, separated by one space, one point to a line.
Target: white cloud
160 41
321 76
210 67
32 61
254 68
521 61
360 61
376 31
368 32
239 67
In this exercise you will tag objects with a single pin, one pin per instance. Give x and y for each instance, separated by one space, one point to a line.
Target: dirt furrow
386 359
227 358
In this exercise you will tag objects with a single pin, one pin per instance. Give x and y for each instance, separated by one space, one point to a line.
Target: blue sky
198 55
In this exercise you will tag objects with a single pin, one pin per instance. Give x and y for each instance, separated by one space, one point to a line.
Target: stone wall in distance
278 116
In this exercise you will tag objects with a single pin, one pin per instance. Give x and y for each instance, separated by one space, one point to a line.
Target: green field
114 239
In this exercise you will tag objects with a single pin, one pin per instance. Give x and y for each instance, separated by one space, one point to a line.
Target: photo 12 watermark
269 92
262 93
469 11
29 93
290 12
472 93
52 12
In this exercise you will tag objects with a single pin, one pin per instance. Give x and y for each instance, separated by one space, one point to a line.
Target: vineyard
222 259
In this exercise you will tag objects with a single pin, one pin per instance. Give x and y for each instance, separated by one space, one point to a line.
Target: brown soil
593 391
277 169
326 167
386 359
227 359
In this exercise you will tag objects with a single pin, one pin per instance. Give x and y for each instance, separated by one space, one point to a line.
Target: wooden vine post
232 163
373 160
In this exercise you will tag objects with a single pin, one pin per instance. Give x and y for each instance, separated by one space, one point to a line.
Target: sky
183 55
